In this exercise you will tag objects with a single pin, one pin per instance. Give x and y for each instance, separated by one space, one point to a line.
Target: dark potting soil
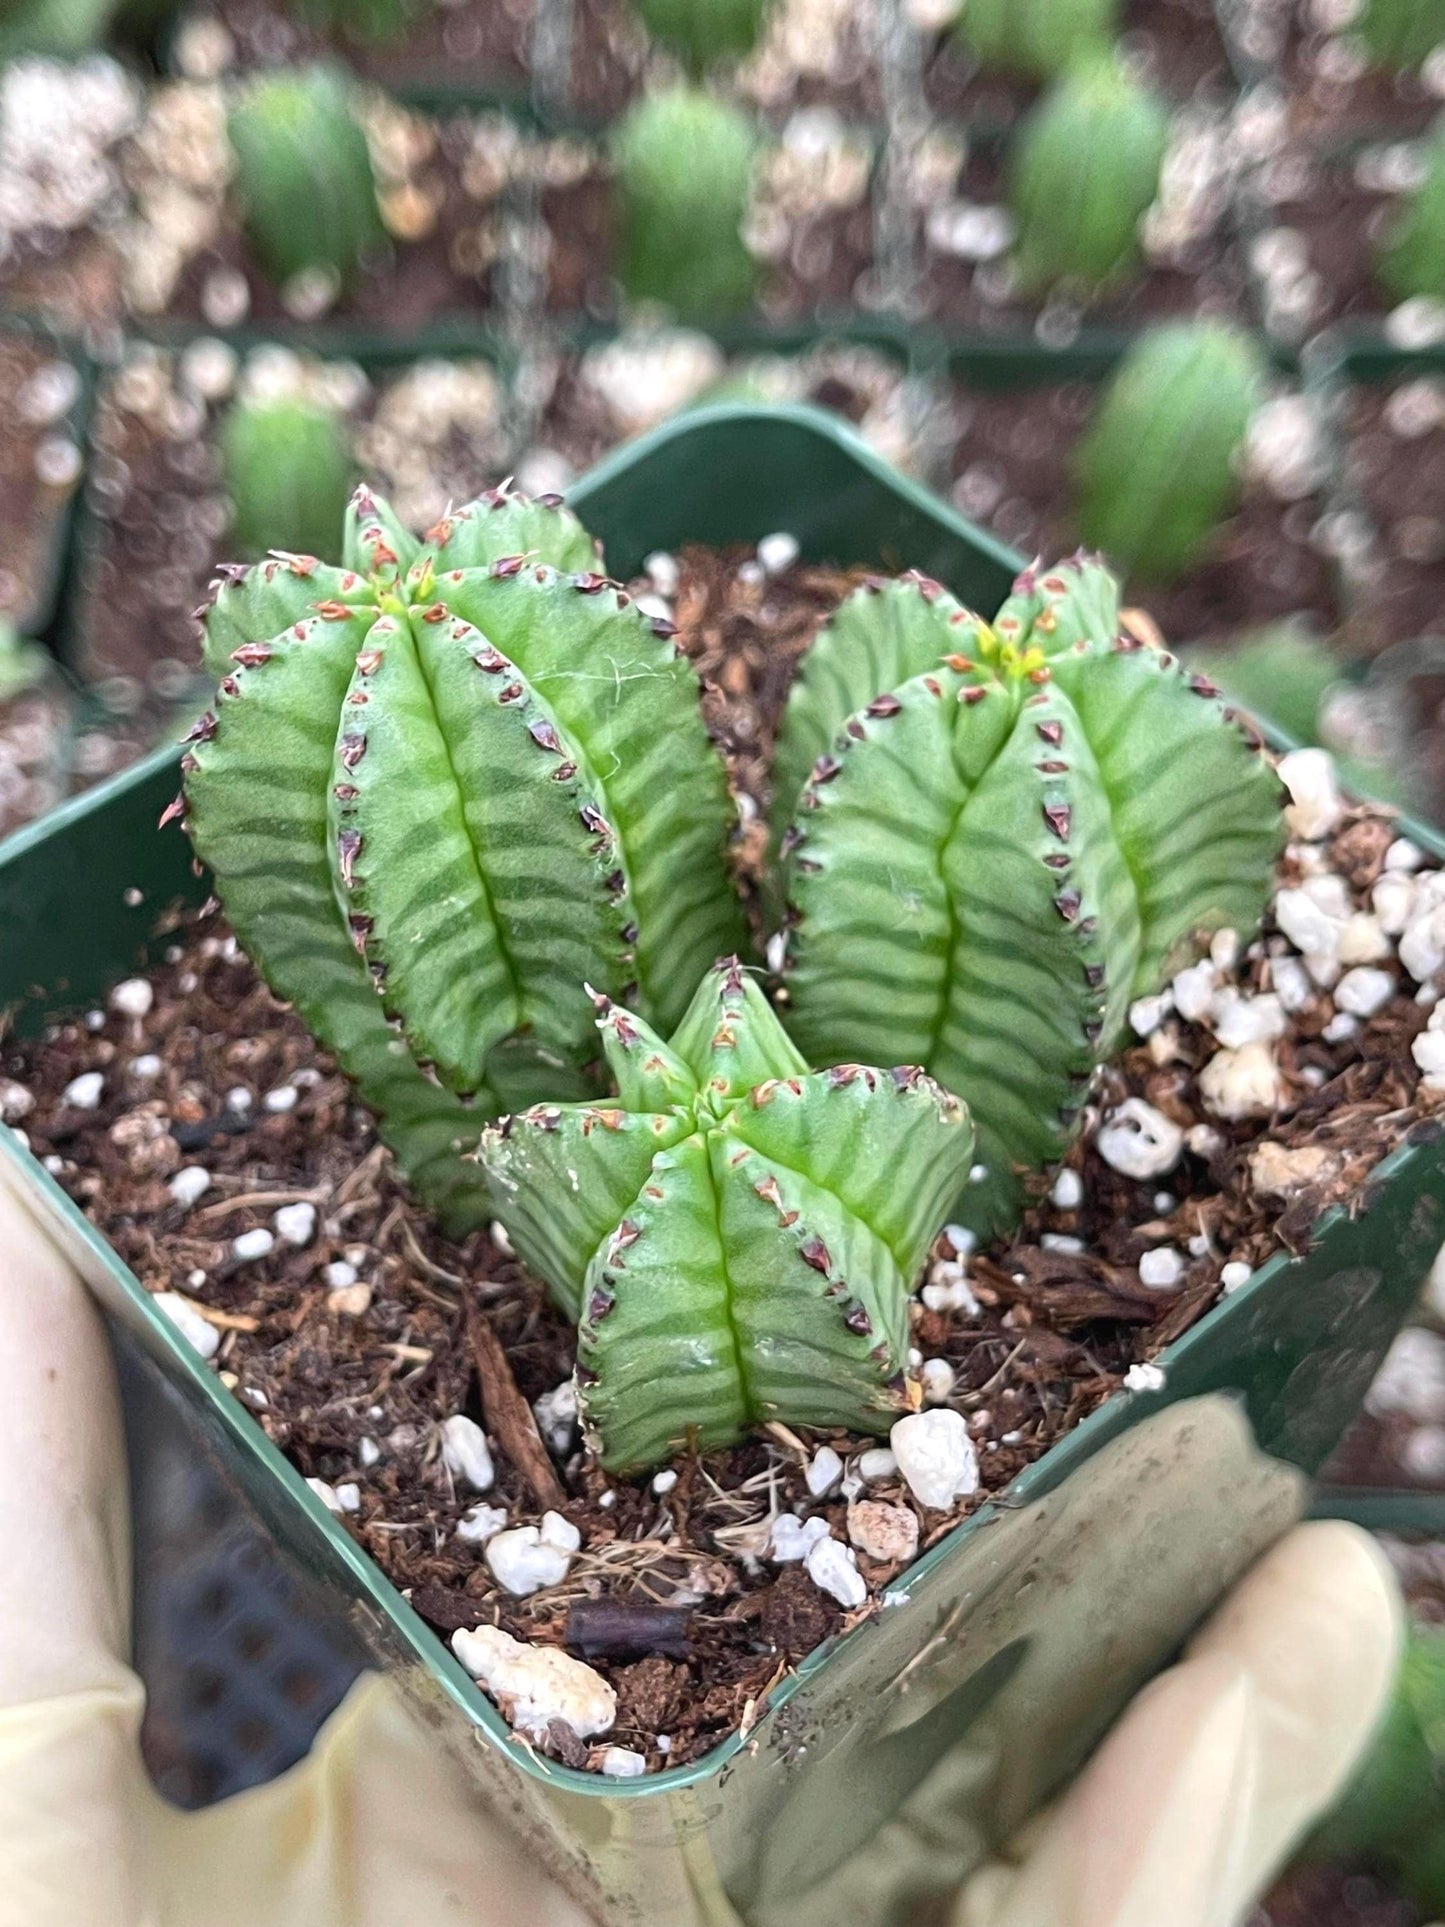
1338 217
39 471
34 734
1335 97
1011 471
351 1339
1332 1896
1177 42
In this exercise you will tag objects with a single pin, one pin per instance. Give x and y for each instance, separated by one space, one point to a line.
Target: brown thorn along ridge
509 1415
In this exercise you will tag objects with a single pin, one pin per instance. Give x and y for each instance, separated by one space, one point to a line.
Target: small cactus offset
1036 38
736 1236
1084 173
288 472
1157 470
369 22
996 836
303 175
684 163
1412 257
701 32
443 785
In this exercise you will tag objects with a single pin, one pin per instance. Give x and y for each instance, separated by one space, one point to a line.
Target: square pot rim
24 1174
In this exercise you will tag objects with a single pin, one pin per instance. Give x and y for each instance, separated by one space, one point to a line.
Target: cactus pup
684 164
995 836
1083 175
444 785
1411 260
736 1236
1036 38
303 176
703 32
288 471
1157 469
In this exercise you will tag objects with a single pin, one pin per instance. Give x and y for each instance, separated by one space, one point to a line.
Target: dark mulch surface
1395 450
1335 1897
37 477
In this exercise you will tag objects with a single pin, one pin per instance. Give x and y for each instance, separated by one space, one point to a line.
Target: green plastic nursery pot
896 1757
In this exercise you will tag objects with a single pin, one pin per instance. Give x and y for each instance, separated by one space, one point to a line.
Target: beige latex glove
1186 1810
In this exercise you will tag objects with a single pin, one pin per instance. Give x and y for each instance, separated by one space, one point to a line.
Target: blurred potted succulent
681 227
1036 38
460 807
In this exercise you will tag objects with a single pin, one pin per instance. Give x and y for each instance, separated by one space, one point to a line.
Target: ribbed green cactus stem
53 26
303 177
370 22
22 664
1036 38
288 472
702 32
1412 257
1158 468
995 836
443 785
684 165
736 1236
1400 35
1083 174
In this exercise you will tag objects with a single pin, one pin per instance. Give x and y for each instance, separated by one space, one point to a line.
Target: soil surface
351 1345
1335 213
40 467
1395 456
34 733
1010 464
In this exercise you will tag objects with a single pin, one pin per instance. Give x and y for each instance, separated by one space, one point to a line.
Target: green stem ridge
738 1236
426 792
995 856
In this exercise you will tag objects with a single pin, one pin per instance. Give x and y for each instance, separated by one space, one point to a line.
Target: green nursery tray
894 1757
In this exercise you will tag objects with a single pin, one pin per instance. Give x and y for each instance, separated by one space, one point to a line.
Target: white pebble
1404 854
663 572
1292 983
938 1380
621 1763
559 1533
1312 930
778 552
282 1099
1393 900
145 1068
1340 1028
935 1456
348 1496
833 1569
239 1100
252 1244
501 1238
1068 1191
481 1523
948 1290
95 1020
1193 990
825 1468
1428 1051
368 1451
791 1537
1161 1268
1235 1274
1063 1242
1422 948
1422 1453
1204 1141
1315 806
189 1184
535 1685
84 1091
339 1275
1241 1083
663 1482
877 1464
296 1223
15 1101
882 1531
1363 940
465 1453
1411 1381
1144 1378
1146 1014
328 1495
1139 1141
198 1332
1237 1020
556 1415
133 998
521 1564
1224 949
1364 991
963 1241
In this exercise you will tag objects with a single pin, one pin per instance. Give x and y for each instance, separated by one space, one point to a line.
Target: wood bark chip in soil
349 1351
